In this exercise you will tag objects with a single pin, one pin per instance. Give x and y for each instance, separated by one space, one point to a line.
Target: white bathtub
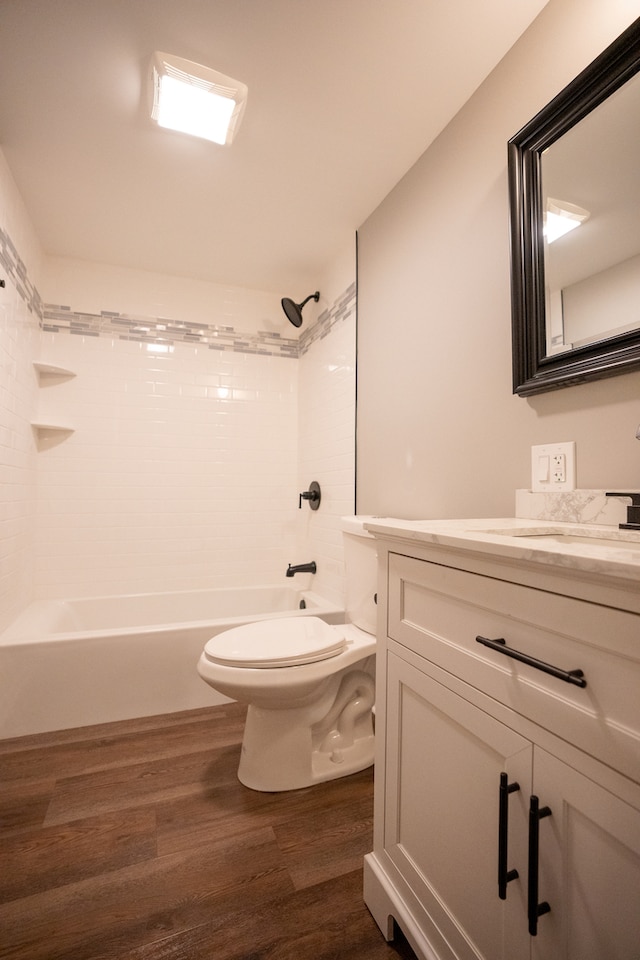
71 663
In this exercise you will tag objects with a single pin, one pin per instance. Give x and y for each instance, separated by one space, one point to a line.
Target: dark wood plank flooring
135 841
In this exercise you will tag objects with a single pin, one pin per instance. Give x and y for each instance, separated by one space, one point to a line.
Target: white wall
587 301
439 431
93 287
326 443
20 265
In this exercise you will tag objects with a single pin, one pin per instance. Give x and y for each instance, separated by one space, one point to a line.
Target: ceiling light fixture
561 217
197 100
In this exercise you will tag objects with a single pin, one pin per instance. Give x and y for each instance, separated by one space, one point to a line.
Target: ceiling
344 96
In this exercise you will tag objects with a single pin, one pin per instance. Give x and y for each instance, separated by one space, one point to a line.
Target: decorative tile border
56 318
161 331
17 271
342 309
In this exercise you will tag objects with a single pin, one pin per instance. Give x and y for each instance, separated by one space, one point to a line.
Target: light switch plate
553 467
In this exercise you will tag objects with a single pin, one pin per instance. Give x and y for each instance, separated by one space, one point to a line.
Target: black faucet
301 568
633 510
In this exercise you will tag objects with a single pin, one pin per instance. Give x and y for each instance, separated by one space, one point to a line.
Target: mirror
576 295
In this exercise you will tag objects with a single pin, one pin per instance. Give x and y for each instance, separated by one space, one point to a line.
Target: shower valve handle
312 495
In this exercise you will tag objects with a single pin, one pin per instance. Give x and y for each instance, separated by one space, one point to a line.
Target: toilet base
284 750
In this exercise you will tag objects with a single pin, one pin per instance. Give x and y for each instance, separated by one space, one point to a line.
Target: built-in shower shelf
52 369
61 427
45 426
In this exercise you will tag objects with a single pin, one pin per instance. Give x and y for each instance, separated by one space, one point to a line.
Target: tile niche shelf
42 424
61 427
51 369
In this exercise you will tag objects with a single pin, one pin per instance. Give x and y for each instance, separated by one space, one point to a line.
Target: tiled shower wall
18 341
190 447
190 438
19 334
326 444
180 472
182 468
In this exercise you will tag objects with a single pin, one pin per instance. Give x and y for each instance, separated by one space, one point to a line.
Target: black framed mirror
576 298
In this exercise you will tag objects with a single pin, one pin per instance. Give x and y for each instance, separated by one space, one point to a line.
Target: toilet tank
361 572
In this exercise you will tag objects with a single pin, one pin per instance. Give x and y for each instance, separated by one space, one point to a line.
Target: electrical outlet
558 468
553 467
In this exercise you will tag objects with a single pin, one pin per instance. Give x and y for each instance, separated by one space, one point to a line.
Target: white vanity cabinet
507 820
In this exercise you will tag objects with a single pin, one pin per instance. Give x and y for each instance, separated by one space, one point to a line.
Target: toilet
310 686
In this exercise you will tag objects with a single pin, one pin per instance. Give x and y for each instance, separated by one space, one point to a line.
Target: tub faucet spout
301 568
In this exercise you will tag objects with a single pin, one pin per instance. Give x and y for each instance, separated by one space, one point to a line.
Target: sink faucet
633 511
301 568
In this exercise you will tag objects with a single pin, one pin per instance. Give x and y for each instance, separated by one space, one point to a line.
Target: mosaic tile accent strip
161 331
17 271
342 309
55 318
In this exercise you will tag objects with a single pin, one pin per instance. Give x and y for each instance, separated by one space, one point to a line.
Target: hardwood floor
135 841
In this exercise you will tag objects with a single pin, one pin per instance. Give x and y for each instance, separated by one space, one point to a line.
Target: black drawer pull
569 676
534 908
505 875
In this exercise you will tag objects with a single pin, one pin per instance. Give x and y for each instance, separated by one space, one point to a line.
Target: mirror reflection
591 213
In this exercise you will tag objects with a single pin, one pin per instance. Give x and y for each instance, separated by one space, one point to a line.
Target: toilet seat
284 642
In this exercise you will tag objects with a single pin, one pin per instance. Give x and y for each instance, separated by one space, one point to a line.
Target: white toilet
310 686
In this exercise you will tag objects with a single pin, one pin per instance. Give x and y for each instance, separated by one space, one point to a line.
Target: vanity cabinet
507 820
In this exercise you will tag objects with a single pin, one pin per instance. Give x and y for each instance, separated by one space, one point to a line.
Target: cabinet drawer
438 611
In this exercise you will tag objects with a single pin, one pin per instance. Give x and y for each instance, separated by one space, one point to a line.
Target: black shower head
294 310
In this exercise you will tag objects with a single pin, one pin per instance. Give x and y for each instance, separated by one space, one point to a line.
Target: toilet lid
284 642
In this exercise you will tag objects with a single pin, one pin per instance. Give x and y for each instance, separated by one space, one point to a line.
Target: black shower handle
312 495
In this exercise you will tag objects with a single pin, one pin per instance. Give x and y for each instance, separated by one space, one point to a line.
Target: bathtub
71 663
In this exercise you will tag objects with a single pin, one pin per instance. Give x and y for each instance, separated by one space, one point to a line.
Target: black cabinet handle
535 909
504 874
569 676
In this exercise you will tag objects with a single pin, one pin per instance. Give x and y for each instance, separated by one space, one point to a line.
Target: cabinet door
444 757
589 868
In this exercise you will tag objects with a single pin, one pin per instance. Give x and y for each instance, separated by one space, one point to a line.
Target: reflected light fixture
562 217
194 99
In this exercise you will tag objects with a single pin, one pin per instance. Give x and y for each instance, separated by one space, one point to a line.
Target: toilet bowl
309 685
307 721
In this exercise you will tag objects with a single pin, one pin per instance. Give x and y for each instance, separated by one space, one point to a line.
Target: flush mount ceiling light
194 99
561 217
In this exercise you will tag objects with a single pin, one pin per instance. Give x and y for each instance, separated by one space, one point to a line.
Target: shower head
294 310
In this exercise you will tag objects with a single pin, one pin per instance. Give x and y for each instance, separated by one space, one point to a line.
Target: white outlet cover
542 480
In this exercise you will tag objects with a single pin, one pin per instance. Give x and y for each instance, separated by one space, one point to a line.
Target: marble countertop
600 549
